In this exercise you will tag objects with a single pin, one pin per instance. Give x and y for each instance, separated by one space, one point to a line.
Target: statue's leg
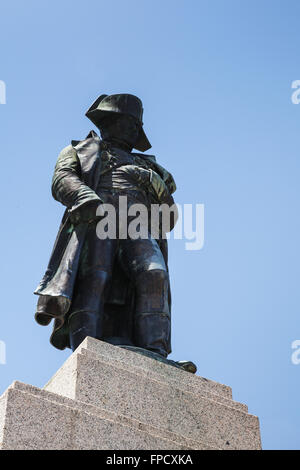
86 312
144 264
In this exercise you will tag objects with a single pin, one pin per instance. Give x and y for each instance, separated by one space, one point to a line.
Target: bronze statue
113 289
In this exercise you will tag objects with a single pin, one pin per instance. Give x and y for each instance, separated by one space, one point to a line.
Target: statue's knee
153 277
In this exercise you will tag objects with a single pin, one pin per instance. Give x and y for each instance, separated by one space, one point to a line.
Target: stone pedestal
106 397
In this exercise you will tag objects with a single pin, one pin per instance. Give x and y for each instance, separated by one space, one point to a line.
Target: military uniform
115 290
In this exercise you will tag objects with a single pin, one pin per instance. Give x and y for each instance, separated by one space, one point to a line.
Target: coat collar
77 144
92 135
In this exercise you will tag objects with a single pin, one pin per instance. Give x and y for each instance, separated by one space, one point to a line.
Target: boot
152 332
83 324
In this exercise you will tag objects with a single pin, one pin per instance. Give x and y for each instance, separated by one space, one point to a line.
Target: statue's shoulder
67 156
145 156
67 151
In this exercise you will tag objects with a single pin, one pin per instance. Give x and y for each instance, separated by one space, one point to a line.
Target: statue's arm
164 185
161 193
70 190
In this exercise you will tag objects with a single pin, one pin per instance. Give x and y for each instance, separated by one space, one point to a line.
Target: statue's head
120 118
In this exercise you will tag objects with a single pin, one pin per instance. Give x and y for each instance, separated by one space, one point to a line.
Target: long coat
83 169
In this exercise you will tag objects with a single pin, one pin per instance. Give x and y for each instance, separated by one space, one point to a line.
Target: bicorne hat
120 104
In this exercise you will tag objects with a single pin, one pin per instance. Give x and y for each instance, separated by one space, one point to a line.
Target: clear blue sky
215 78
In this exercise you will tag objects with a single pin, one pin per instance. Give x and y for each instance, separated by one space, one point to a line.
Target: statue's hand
149 179
139 174
85 213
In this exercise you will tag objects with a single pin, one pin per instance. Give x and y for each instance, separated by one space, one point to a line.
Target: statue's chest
111 159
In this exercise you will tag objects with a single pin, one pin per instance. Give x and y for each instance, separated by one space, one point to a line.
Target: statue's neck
118 144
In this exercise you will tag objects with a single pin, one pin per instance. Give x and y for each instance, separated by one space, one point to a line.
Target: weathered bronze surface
116 290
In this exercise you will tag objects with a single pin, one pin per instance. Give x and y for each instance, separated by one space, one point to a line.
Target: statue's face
123 128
